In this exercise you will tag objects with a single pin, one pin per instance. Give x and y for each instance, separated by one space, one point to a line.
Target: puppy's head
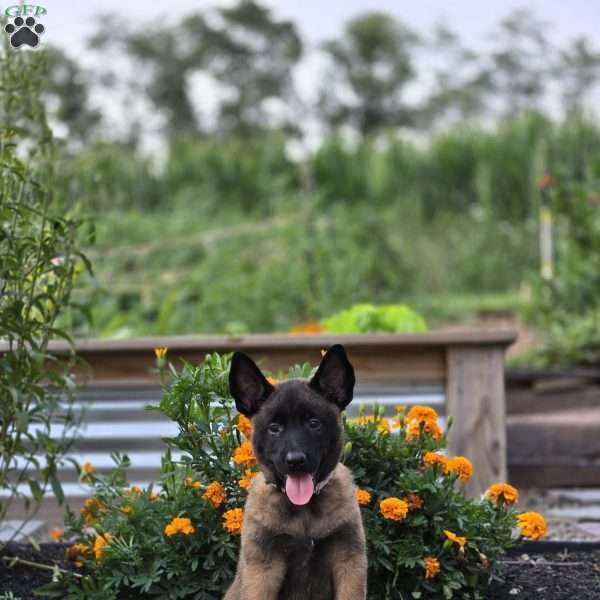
296 425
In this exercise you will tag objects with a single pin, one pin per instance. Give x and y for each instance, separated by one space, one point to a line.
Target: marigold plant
180 538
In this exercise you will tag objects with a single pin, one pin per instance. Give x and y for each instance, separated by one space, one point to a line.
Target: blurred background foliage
241 219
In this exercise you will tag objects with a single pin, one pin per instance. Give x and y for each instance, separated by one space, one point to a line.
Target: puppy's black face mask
297 433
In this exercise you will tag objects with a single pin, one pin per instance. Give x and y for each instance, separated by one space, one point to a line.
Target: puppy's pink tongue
299 488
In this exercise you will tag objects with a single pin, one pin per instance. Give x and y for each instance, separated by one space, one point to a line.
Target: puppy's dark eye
275 428
314 423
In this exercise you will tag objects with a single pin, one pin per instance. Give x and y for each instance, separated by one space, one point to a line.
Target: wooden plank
522 401
475 399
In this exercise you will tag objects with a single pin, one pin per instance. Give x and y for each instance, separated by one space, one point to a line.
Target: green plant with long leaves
39 261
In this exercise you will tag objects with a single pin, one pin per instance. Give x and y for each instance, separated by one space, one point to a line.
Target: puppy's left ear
335 377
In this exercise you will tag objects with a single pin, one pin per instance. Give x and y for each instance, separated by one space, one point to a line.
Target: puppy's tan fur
312 552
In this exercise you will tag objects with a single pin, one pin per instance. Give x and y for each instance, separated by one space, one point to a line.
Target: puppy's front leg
262 573
348 558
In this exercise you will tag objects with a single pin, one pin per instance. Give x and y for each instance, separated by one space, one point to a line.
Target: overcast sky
69 24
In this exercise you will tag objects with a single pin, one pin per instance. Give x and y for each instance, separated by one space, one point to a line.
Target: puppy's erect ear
335 377
247 384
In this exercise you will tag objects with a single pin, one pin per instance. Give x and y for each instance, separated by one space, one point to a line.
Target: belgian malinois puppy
303 537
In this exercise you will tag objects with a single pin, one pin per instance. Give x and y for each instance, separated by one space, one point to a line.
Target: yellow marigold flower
215 494
532 525
154 496
461 541
246 480
400 408
414 502
433 458
245 426
91 510
383 426
503 491
136 490
126 509
99 544
233 520
430 427
87 468
394 509
56 533
189 482
272 380
161 352
179 525
363 497
244 455
362 420
432 567
323 352
422 414
461 466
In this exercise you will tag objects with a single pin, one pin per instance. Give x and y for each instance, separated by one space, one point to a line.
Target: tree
579 70
67 93
461 84
252 55
371 66
521 62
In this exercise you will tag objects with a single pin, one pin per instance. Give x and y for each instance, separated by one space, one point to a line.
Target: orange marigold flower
189 482
56 533
306 328
394 509
400 408
461 466
503 491
179 525
246 480
215 494
414 502
430 427
99 544
461 541
160 352
422 414
76 551
154 496
363 497
432 567
233 520
244 455
532 525
126 509
433 458
136 490
272 380
245 426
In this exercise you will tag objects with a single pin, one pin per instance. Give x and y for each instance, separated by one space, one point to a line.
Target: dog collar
323 483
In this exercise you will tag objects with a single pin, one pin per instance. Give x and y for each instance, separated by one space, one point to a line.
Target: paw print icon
24 32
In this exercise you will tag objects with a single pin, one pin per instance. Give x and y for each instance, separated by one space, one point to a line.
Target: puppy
303 537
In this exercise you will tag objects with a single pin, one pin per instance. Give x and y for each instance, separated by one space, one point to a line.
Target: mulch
556 575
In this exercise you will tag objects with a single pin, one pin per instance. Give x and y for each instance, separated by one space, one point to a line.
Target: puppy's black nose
295 459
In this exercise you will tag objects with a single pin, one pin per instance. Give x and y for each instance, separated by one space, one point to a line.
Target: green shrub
368 318
180 539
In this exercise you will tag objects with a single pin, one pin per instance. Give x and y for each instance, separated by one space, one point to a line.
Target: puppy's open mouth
299 488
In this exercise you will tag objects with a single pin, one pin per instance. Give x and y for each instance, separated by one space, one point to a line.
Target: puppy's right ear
247 384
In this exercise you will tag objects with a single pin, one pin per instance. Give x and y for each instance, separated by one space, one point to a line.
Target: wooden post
475 400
